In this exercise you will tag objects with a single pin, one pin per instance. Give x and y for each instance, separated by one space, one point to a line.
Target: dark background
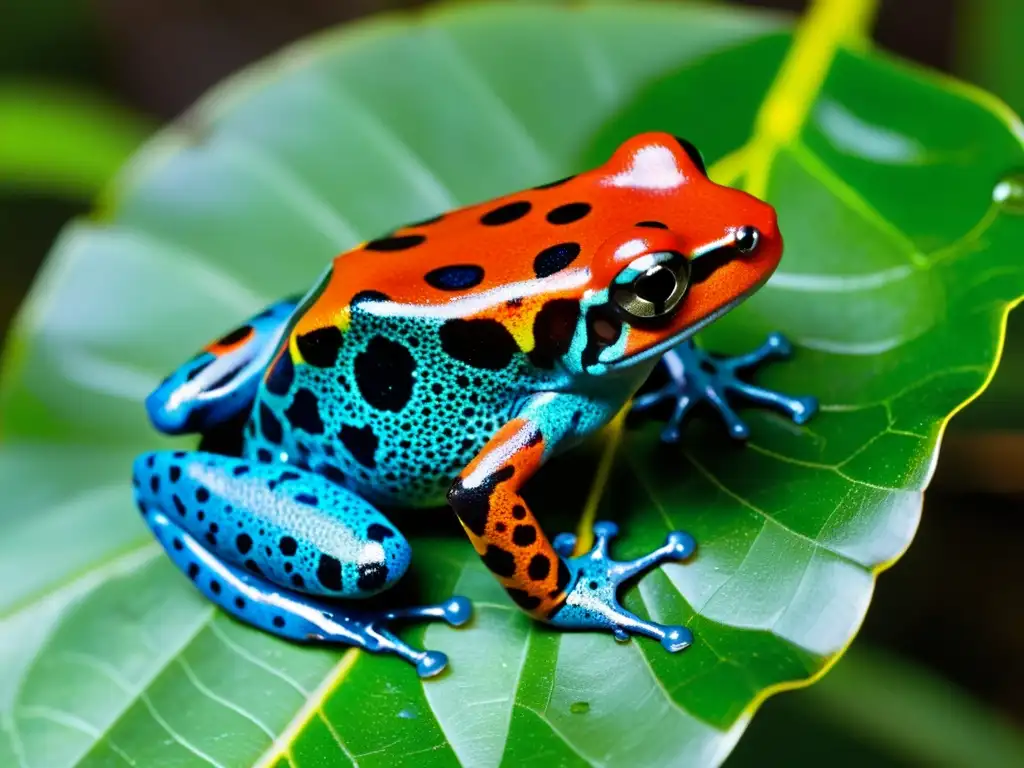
951 607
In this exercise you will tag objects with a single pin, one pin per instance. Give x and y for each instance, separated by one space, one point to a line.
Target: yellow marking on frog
521 329
293 349
518 320
343 319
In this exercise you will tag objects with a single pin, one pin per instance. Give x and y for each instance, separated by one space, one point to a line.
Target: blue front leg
271 544
695 375
220 382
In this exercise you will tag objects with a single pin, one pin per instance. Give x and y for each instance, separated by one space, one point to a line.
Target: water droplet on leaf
1009 192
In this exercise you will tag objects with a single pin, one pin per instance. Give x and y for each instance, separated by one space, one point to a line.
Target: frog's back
416 347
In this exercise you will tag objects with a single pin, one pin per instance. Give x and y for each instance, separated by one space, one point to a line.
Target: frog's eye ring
747 239
656 291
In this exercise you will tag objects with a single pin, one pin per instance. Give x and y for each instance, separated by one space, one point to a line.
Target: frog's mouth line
706 264
668 343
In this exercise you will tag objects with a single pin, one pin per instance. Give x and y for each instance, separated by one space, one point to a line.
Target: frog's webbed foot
695 375
592 602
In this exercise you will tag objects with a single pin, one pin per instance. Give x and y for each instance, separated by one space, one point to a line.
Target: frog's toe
675 392
799 409
778 344
431 663
427 663
593 602
564 544
774 347
805 409
458 611
676 639
376 636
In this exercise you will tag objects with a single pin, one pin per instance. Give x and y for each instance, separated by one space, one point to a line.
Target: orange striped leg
546 581
501 526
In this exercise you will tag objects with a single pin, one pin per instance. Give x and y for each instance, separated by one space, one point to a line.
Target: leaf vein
293 189
162 722
336 736
717 482
193 678
470 75
418 173
247 655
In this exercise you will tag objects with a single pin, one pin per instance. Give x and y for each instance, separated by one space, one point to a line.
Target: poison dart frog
449 361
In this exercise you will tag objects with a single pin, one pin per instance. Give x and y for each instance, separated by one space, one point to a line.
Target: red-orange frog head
694 250
597 272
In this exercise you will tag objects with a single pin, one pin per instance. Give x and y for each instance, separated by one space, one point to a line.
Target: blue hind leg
271 544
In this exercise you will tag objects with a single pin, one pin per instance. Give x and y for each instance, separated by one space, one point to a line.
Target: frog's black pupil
746 239
656 286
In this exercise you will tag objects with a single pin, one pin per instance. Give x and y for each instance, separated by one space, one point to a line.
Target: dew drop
1009 192
407 714
579 707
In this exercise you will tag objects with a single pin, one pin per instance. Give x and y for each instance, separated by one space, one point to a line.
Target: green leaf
898 274
57 140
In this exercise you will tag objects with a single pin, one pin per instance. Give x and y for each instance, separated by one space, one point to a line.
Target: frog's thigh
282 524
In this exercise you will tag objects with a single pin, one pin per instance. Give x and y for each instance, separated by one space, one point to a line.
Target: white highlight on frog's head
629 249
653 167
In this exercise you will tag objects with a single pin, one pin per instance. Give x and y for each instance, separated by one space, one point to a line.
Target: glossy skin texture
450 360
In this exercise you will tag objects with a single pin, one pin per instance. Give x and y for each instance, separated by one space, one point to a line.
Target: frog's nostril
747 239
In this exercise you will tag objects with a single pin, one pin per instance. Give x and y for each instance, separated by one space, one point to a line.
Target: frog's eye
652 286
747 239
694 154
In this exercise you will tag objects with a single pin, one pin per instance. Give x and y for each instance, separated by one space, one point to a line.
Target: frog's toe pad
676 639
593 601
458 611
431 663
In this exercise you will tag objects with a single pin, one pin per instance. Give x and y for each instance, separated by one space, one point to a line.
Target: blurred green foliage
989 50
878 709
45 37
62 142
